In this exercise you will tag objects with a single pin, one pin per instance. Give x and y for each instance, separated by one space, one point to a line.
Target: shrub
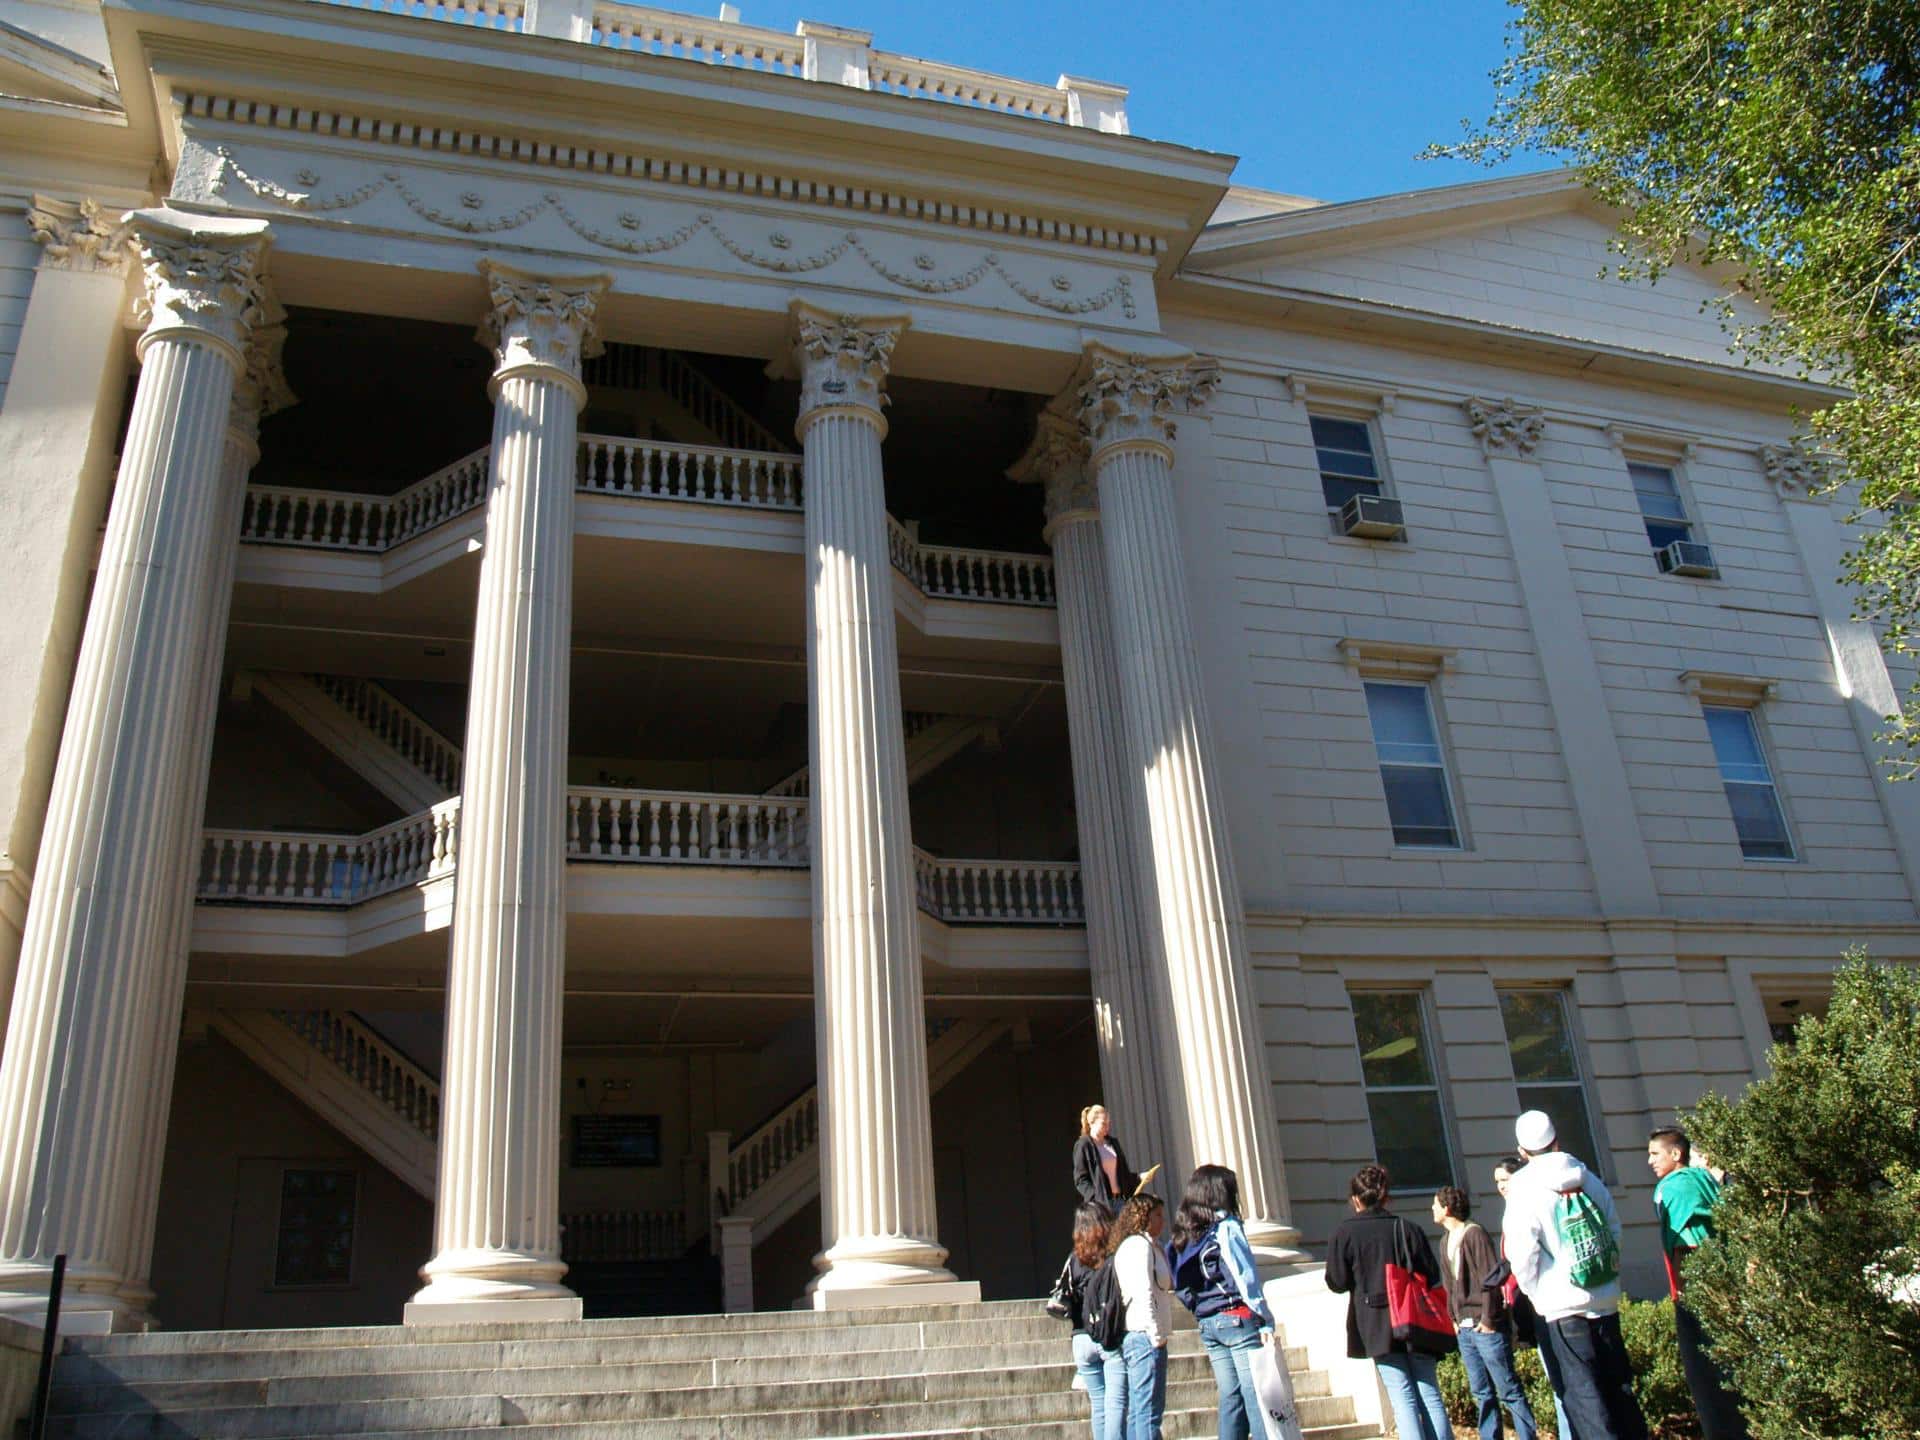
1808 1288
1647 1328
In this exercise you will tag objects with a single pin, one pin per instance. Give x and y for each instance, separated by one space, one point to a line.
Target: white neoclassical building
638 652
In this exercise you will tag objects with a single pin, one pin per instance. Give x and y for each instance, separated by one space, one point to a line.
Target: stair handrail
372 1062
770 1147
687 385
396 725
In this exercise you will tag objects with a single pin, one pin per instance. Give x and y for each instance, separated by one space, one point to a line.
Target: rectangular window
1661 509
1545 1068
1347 467
1757 817
1403 1099
315 1245
1412 767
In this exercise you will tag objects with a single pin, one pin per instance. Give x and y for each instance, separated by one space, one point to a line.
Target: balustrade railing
1019 892
943 572
641 827
711 405
664 827
617 1236
266 866
371 1063
645 30
336 520
610 465
768 1150
421 744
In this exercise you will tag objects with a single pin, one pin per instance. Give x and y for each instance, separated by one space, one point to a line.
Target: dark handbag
1416 1310
1060 1298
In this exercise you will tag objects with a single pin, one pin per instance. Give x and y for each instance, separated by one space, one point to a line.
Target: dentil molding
650 225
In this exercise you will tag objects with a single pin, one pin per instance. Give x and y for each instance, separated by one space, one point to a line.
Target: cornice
1214 297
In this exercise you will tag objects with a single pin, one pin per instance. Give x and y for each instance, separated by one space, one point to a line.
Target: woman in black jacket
1357 1259
1100 1170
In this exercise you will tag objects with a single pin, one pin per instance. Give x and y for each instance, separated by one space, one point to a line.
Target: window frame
1429 1031
1757 728
330 1167
1582 1080
1369 420
1437 722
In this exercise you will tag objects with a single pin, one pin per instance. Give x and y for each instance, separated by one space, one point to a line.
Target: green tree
1811 1286
1778 139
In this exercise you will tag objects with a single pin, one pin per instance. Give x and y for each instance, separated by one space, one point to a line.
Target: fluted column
1106 807
876 1151
80 1057
496 1220
259 391
1211 1050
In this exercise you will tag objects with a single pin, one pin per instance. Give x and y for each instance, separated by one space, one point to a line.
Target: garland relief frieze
597 222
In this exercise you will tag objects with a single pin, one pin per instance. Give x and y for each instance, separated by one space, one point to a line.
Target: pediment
1527 258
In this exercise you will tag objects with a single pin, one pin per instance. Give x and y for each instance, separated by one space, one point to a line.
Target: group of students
1553 1280
1120 1255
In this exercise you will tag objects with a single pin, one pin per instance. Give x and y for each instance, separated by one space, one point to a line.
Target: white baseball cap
1533 1132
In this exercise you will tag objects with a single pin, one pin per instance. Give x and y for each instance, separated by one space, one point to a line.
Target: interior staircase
994 1370
385 743
931 741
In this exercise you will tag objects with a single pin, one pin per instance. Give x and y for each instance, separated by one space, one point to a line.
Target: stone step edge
331 1337
1351 1430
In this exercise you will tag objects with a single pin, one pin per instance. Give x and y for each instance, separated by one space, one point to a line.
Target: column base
1276 1249
90 1300
490 1312
881 1262
927 1292
484 1287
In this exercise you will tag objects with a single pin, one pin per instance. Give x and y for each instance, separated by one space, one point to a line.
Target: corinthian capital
203 277
77 236
1796 471
543 322
1057 458
843 359
261 389
1134 398
1506 427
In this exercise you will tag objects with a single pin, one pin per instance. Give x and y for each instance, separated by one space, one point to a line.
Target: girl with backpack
1102 1371
1215 1277
1146 1286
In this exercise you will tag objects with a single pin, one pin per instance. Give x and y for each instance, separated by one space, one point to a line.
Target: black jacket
1357 1258
1090 1177
1077 1277
1469 1297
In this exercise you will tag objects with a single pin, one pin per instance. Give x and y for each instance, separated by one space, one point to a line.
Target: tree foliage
1811 1287
1778 139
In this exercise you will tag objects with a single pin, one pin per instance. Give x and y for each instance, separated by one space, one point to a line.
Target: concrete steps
974 1371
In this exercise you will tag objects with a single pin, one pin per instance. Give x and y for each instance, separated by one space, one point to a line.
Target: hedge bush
1647 1329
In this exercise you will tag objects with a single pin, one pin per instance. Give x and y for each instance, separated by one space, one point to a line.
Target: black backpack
1101 1307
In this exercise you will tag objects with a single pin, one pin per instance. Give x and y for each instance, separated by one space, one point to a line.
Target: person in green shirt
1684 1195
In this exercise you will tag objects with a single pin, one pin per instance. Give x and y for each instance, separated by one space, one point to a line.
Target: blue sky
1318 98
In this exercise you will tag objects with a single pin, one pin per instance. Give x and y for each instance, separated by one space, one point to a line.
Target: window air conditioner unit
1688 557
1372 517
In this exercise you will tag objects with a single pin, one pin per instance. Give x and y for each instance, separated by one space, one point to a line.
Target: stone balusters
82 1054
497 1221
1211 1045
1106 805
876 1166
259 391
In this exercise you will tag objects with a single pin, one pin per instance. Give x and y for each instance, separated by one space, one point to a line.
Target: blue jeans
1105 1375
1146 1385
1489 1362
1598 1379
1414 1392
1230 1342
1550 1362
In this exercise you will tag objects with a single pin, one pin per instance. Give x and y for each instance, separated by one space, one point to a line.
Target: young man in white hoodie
1563 1241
